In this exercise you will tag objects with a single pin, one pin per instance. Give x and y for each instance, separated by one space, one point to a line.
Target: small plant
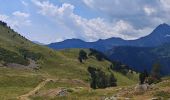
163 94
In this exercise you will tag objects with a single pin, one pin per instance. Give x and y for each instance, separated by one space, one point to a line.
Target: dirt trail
26 96
43 83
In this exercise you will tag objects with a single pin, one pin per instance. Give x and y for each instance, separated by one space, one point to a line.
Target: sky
50 21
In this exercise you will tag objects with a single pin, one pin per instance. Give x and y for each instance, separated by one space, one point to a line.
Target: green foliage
164 94
100 79
119 67
3 23
12 57
82 56
155 74
143 76
152 80
61 64
29 54
99 56
112 80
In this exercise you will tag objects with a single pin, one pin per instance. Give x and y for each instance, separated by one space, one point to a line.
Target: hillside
51 65
142 57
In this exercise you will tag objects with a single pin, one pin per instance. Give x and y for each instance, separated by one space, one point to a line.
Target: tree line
99 79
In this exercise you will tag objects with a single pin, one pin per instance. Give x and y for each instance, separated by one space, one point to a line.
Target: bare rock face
141 87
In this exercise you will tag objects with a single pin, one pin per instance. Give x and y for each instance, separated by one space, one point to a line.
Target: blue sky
49 21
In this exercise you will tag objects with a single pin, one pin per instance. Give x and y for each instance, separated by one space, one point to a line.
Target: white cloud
16 20
140 13
166 4
24 3
115 7
3 17
89 3
20 14
87 29
149 10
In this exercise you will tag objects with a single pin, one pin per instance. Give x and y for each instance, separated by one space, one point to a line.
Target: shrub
12 57
99 79
99 55
143 77
82 56
119 67
155 74
32 55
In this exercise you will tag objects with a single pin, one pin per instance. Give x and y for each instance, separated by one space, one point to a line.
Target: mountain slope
52 64
143 57
159 36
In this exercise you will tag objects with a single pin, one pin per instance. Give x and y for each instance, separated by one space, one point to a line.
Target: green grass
16 82
54 64
165 95
82 94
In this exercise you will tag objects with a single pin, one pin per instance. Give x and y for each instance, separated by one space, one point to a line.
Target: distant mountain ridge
158 36
140 54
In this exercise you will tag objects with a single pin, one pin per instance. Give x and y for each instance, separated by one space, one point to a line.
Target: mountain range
158 36
140 54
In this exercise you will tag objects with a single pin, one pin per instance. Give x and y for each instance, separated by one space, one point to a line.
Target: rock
127 98
111 98
156 98
141 87
63 92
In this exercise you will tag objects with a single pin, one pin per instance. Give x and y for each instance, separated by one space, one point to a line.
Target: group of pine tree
100 79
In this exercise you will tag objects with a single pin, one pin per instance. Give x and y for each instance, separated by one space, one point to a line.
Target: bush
164 94
100 79
82 56
112 80
143 77
119 67
12 57
32 55
99 55
3 23
155 74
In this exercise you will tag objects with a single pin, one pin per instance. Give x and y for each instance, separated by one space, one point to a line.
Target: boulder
141 87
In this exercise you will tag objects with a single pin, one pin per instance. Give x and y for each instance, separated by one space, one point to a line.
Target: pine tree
112 80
